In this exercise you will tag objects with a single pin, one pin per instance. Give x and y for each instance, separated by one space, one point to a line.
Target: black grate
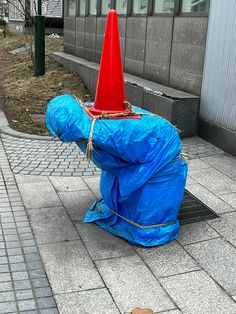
193 210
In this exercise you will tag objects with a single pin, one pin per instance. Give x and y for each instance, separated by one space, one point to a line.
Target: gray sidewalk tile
93 184
38 195
197 164
167 260
102 244
211 200
225 164
7 296
226 226
190 181
77 203
26 305
8 307
133 285
69 267
170 312
230 199
68 184
96 301
46 302
218 258
24 295
196 232
6 286
215 181
43 292
197 293
52 225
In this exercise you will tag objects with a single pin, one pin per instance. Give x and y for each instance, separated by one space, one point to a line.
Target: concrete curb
6 129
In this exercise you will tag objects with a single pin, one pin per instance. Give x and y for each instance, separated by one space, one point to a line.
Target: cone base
98 112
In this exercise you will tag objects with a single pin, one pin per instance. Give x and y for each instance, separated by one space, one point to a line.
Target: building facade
187 45
20 11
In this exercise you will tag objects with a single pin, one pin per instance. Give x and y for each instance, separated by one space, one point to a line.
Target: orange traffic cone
110 93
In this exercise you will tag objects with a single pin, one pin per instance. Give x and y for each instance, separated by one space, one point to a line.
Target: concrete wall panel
135 45
158 49
90 38
188 52
80 36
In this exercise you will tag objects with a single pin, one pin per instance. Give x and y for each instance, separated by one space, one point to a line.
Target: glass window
140 6
93 7
121 6
164 6
106 5
195 6
82 7
71 7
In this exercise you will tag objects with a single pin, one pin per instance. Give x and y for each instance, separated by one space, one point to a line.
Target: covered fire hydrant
143 174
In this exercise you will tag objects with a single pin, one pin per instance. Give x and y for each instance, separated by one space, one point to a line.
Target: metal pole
39 23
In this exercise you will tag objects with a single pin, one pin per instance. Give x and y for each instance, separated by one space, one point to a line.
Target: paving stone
69 268
24 295
167 260
20 178
214 181
16 259
39 282
5 277
196 292
94 183
218 258
20 275
64 184
22 285
46 302
226 226
133 285
7 296
102 244
93 301
43 292
77 203
4 268
18 267
196 232
49 311
211 200
26 305
52 225
38 195
225 163
230 199
190 181
6 286
8 307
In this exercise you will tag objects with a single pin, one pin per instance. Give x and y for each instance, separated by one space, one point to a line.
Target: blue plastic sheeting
143 175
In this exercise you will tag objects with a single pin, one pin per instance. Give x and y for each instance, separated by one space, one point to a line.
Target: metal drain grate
193 210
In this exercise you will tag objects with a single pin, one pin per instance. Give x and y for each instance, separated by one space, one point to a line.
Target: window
106 5
82 8
164 6
140 6
93 7
189 6
71 7
121 6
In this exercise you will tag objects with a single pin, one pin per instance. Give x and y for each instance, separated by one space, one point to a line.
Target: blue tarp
143 175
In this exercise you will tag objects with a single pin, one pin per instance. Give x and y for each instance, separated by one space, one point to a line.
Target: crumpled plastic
143 174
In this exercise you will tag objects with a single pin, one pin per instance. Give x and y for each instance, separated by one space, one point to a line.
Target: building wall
165 49
218 97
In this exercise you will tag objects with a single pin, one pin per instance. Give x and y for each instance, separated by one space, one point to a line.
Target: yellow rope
105 115
141 226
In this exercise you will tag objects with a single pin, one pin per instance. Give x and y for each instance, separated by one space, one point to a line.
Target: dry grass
27 95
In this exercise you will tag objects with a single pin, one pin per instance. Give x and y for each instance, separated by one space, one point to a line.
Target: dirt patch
26 96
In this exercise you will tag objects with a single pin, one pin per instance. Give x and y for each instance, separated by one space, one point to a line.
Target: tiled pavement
89 271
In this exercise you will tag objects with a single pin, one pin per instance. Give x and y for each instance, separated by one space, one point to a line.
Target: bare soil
26 96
